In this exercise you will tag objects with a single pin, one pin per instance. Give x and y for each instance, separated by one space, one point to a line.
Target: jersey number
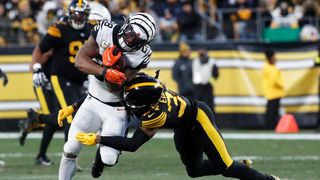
175 100
74 47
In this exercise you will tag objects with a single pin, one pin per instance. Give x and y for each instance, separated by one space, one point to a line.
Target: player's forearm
83 60
87 66
123 143
37 57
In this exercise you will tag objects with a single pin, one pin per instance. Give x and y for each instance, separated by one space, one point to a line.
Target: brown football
120 64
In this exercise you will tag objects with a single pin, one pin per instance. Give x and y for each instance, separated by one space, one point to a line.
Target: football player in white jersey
102 109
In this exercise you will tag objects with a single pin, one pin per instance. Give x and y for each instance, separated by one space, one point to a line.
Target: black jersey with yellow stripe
65 42
172 111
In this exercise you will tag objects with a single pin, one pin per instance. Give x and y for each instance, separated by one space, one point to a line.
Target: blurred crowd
25 21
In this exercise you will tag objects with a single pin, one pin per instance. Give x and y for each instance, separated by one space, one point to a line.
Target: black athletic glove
4 78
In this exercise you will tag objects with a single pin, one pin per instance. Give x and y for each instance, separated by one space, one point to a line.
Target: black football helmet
78 12
142 92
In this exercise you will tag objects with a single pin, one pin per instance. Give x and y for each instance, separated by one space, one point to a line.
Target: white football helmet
137 31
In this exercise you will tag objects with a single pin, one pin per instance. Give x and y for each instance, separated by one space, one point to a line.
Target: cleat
247 162
27 125
43 161
79 168
97 166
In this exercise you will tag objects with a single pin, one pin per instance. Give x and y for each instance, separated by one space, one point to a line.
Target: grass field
158 160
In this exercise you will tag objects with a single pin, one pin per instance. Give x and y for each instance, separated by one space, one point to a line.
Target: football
120 64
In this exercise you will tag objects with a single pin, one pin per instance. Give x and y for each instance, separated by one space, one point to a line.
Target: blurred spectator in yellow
203 69
283 16
273 87
243 20
120 9
168 27
189 22
5 26
182 71
25 25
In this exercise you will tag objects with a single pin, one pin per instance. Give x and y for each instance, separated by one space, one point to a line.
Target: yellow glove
63 113
87 138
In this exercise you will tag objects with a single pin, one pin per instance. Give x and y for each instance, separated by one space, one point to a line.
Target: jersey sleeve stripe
156 122
54 31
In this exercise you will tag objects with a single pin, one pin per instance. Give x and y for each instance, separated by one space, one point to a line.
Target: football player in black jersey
195 131
64 39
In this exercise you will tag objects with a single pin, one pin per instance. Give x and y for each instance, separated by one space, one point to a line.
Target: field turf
158 160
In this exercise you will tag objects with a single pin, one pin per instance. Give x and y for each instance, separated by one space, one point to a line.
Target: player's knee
109 159
193 172
71 147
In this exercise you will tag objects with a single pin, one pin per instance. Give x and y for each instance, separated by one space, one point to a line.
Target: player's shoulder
154 118
57 28
105 25
139 58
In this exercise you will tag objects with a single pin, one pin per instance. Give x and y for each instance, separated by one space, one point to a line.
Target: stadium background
238 91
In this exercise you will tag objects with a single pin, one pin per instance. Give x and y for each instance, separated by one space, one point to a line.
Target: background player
195 131
64 39
102 107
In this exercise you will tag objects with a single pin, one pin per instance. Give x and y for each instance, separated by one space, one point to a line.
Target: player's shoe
247 162
44 161
97 166
27 125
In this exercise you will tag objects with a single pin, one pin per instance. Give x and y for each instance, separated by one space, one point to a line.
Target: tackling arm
140 136
83 60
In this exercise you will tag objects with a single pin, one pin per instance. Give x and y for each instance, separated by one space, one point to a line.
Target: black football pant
205 138
272 113
204 93
62 94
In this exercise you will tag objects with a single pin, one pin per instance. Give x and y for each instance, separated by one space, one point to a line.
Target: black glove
4 78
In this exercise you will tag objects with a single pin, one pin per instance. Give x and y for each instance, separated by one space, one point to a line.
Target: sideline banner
238 91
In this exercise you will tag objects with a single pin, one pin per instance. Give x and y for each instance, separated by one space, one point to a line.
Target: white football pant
92 116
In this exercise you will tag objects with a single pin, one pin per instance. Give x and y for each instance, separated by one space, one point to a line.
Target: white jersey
105 34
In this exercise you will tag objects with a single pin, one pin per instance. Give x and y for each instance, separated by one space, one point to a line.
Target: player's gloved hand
4 78
115 76
110 56
87 138
38 77
64 113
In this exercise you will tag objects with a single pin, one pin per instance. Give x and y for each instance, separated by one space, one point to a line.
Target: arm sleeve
51 39
126 144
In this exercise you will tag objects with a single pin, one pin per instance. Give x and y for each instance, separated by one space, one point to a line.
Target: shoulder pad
154 119
54 31
104 24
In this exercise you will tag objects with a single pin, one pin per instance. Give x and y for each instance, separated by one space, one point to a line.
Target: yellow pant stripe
214 136
59 93
42 101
